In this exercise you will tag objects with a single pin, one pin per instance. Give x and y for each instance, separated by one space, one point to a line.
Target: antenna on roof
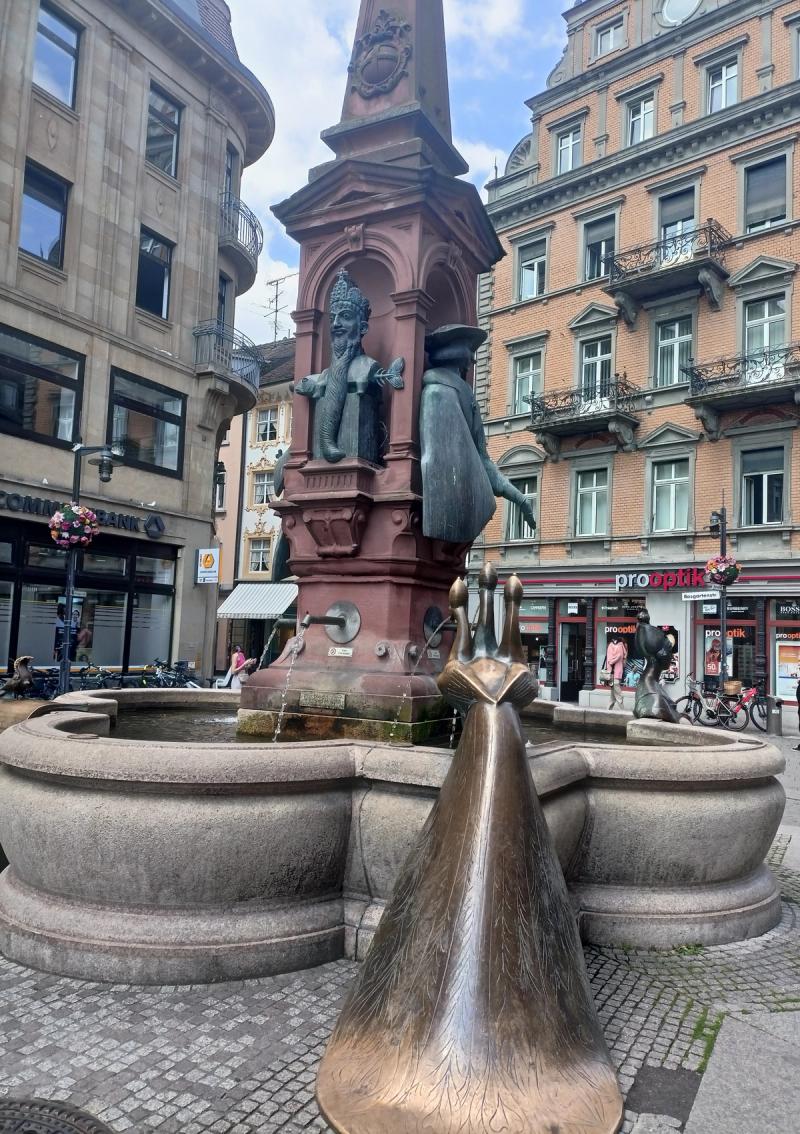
274 307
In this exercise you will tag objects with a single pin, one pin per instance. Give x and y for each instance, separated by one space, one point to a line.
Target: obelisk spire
397 103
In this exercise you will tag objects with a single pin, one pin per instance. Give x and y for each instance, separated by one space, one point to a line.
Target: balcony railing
610 405
745 371
220 347
239 226
613 395
692 259
705 240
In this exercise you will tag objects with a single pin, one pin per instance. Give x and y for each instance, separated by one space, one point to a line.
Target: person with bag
614 665
238 662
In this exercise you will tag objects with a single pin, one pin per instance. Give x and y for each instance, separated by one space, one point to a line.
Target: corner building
124 244
648 306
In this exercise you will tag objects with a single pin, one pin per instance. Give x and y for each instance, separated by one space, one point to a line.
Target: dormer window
610 37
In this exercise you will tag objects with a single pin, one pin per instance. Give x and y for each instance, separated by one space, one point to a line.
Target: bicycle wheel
688 708
758 713
733 717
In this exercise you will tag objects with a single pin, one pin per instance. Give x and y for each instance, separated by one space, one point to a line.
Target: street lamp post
719 523
104 457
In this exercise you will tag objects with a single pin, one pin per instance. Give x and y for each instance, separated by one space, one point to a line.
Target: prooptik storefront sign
667 580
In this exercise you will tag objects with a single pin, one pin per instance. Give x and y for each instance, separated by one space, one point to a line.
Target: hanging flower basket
722 570
74 526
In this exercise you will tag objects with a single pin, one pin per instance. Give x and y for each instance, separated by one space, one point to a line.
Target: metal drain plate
42 1116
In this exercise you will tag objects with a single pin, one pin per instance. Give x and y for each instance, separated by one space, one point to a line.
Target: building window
723 85
527 380
147 423
260 555
152 283
532 269
599 240
163 129
673 350
765 325
517 527
641 119
55 61
223 292
267 424
762 486
677 225
231 167
671 496
44 215
765 194
220 477
568 150
39 389
595 368
263 487
591 515
610 37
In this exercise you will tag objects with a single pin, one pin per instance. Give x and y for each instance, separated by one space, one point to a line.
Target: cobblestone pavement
236 1058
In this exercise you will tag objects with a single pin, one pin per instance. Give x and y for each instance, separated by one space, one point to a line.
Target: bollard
774 716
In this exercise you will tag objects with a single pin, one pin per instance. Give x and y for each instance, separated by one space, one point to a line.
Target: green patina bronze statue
347 421
459 479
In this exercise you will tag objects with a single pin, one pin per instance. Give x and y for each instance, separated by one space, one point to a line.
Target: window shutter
765 192
600 230
677 207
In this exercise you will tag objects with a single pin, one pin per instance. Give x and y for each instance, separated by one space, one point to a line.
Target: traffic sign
699 596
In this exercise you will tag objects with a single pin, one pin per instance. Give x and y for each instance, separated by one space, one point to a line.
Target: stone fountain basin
156 862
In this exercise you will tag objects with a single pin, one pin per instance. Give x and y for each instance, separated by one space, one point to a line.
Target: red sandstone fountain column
391 210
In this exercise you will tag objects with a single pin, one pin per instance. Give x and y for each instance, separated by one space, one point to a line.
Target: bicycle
712 708
99 679
758 711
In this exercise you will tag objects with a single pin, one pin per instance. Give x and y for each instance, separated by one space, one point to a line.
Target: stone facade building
123 247
247 528
648 303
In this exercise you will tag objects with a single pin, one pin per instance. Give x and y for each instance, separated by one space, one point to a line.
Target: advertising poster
712 656
787 663
208 565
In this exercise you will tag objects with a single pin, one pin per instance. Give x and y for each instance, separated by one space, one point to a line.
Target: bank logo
154 527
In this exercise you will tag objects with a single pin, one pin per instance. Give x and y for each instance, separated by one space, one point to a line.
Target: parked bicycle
706 706
91 677
161 675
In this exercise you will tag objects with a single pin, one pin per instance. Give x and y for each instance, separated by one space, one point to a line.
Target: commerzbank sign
152 526
667 580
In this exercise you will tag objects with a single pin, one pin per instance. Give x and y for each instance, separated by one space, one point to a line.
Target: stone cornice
707 135
196 49
684 37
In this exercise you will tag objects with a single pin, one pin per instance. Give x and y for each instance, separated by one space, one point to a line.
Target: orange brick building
649 307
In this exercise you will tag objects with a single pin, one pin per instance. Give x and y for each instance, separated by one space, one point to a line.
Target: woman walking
616 656
238 662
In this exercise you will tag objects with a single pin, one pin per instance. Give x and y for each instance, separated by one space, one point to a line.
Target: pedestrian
238 662
616 656
797 698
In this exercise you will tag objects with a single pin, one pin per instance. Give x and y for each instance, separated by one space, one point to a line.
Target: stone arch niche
449 303
376 281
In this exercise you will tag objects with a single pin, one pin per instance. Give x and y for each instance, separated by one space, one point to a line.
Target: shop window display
785 647
6 603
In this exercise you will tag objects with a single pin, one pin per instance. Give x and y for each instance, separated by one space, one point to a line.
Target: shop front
580 612
124 605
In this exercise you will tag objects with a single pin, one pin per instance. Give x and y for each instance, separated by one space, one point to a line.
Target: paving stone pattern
242 1057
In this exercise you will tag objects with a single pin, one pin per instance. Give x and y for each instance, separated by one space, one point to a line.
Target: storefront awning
258 600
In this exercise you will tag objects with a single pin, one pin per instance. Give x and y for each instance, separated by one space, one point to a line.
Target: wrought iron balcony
765 378
693 259
609 406
222 350
241 235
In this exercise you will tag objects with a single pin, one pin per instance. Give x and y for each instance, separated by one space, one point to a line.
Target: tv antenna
274 306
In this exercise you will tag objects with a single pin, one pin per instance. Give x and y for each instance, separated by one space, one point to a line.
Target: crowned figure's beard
331 407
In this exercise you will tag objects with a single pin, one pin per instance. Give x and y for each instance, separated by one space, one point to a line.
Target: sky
499 53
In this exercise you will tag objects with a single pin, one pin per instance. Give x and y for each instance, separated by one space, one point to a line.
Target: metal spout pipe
323 620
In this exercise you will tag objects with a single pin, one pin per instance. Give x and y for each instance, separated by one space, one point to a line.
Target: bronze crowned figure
459 479
352 376
472 1012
